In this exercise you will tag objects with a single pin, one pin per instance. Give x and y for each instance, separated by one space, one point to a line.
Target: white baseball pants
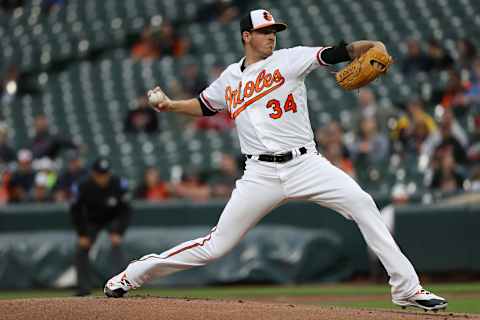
266 185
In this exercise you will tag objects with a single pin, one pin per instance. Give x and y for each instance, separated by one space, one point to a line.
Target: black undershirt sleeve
336 54
206 112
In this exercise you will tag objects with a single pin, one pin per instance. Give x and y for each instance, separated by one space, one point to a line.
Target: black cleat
118 286
116 293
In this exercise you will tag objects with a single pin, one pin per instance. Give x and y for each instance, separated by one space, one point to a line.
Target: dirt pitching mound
165 308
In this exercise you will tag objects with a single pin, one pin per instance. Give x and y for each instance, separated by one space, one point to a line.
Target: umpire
101 201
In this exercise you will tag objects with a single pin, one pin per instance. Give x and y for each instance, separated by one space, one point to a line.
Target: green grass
28 294
267 291
463 297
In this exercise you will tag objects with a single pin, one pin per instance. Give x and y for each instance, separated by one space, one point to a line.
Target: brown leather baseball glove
364 69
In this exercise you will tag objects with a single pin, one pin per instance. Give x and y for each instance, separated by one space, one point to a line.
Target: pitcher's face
263 41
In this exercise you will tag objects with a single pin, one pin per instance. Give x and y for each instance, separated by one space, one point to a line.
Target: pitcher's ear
245 36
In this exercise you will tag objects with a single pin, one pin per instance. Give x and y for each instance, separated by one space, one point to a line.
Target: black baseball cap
101 165
259 19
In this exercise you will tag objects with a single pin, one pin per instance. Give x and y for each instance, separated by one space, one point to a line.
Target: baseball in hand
155 97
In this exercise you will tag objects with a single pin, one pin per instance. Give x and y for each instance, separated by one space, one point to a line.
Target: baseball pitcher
265 94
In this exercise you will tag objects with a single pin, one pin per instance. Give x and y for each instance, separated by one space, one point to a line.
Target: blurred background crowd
73 75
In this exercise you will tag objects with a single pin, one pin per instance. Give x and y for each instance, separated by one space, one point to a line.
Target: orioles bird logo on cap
267 16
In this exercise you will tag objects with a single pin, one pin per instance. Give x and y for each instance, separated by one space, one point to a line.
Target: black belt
284 157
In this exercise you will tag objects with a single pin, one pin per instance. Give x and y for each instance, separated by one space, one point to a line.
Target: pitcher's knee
219 250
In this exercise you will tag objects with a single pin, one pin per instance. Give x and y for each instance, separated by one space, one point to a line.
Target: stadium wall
296 243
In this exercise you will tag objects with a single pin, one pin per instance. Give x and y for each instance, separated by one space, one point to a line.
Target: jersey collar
241 63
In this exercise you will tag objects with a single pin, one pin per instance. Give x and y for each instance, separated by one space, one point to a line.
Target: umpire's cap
101 165
259 19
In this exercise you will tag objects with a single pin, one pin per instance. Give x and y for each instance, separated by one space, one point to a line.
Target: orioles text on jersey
253 91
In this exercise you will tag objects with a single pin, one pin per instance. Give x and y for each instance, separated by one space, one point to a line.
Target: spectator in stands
74 172
147 47
52 5
142 118
192 187
14 83
222 181
46 144
41 189
9 85
7 157
332 134
152 188
418 142
472 94
22 179
7 153
472 99
367 103
453 95
333 152
171 42
330 142
447 175
223 11
413 128
368 107
4 183
451 135
415 60
475 179
159 41
467 52
371 146
192 80
439 58
473 152
46 167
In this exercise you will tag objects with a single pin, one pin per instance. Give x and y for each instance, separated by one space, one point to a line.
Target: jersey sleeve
213 97
303 60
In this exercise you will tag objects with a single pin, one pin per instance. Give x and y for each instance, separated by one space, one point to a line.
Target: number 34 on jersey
276 105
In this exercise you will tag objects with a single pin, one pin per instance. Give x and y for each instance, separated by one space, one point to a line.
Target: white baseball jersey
268 100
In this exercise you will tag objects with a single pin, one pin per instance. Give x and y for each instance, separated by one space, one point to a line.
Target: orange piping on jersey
261 95
205 239
196 244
